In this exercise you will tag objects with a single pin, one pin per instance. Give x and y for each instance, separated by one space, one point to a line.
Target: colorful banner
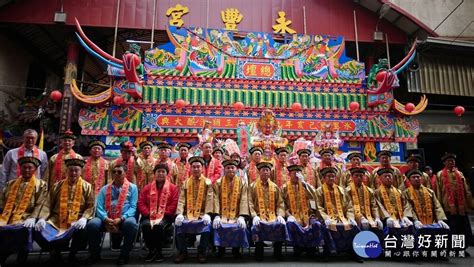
178 121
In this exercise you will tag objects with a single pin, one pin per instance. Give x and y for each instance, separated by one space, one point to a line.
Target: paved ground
109 259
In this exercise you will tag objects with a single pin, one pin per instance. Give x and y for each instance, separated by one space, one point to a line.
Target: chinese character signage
253 70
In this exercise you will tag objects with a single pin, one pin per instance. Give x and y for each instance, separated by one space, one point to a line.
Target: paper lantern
119 100
296 107
180 103
238 106
459 110
410 107
354 106
56 95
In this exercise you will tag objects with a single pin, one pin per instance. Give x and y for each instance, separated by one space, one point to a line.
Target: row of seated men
295 212
447 184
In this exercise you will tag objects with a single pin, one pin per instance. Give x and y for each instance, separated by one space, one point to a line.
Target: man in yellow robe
327 160
56 170
20 204
195 207
355 161
336 211
267 208
128 156
144 165
70 205
413 163
366 211
301 213
280 172
385 157
231 199
394 208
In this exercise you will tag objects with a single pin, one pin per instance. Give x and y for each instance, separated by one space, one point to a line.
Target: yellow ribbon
267 214
194 208
67 217
14 216
425 215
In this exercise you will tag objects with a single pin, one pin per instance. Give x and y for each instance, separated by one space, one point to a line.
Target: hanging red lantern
380 76
180 103
296 107
56 96
119 100
459 110
410 107
238 106
354 106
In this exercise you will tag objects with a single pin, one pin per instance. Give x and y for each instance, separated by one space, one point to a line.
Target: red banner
175 121
258 70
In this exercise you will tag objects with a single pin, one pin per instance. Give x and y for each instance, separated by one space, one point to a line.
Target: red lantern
354 106
56 95
119 100
238 106
380 76
180 103
296 107
410 107
459 110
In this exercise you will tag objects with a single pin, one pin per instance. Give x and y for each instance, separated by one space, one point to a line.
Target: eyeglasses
117 172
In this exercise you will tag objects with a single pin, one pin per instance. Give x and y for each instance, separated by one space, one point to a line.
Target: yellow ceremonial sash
226 213
425 214
356 203
388 205
267 214
337 197
301 213
14 216
66 217
194 208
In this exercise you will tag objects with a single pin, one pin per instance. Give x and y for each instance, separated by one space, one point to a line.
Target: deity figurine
328 138
266 133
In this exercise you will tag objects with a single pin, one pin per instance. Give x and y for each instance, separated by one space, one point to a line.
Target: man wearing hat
231 205
302 223
256 156
116 207
20 204
385 157
280 172
327 160
70 205
218 153
56 170
366 211
309 171
455 197
394 208
128 157
195 205
212 166
355 161
413 163
11 167
182 164
144 165
96 168
336 211
426 208
268 210
164 158
157 204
